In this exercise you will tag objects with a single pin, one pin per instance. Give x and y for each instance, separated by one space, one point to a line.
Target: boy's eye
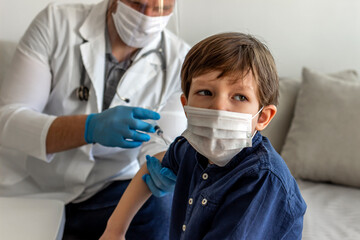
240 98
204 92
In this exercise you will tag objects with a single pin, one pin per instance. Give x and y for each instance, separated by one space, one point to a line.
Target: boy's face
209 91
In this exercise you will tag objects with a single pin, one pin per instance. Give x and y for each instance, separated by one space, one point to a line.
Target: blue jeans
87 220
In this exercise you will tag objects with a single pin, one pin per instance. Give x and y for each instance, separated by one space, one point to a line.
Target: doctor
72 108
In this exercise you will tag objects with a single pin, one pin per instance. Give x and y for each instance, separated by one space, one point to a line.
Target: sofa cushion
323 140
278 128
288 91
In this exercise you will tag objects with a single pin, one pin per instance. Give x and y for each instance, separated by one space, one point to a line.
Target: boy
231 183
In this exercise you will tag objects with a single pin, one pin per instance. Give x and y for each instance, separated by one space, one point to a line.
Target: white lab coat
41 85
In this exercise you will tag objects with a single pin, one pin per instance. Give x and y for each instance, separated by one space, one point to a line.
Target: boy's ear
183 100
266 115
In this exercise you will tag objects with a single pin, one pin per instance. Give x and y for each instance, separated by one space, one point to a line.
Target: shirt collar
110 57
107 41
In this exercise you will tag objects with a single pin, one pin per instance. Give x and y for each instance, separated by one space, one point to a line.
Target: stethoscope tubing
83 91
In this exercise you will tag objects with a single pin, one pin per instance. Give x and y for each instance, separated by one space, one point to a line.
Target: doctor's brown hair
233 54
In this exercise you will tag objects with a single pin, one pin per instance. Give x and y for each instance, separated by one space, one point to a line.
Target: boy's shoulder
178 150
179 144
270 160
262 157
271 163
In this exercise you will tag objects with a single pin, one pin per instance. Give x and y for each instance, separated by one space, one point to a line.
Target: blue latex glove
161 180
119 126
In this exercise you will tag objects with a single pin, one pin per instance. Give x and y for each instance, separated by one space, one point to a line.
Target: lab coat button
184 228
205 176
190 201
204 202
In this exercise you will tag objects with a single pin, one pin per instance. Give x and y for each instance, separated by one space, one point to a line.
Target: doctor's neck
119 49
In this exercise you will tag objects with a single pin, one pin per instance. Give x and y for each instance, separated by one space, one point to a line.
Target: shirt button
205 176
190 201
204 202
184 228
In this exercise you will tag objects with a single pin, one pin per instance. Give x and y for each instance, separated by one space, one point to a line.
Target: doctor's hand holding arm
161 180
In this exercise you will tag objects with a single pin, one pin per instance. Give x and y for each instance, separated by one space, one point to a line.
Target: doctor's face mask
140 22
218 135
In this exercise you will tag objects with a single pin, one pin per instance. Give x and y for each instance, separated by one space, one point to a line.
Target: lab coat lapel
93 49
94 62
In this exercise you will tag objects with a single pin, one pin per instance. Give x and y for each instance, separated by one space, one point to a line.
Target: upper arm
27 83
38 38
159 156
28 80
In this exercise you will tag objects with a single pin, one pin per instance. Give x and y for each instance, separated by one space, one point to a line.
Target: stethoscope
83 91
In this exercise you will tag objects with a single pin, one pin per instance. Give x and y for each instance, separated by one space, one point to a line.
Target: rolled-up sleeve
175 154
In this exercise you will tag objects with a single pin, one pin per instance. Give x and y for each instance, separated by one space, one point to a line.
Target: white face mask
218 135
136 29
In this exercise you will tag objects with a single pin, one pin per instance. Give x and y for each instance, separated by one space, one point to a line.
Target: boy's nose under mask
218 135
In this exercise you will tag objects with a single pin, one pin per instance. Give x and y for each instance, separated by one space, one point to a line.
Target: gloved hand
161 180
119 126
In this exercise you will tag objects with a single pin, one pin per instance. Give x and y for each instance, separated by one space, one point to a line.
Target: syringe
159 131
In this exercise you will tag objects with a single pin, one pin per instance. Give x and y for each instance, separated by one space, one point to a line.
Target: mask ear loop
253 118
258 112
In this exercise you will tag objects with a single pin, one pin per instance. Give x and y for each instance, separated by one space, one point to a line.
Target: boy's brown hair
233 54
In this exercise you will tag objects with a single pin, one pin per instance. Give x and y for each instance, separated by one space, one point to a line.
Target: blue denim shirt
254 196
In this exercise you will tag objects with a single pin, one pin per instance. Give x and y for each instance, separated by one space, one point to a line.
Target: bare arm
66 132
134 197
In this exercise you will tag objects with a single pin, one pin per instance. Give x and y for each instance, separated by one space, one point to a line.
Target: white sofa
317 133
296 132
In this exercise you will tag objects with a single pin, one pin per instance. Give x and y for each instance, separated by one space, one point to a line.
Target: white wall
16 15
321 34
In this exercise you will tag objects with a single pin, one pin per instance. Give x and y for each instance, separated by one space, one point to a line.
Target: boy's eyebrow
238 84
242 87
205 82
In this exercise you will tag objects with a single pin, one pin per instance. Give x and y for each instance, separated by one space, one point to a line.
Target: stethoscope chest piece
83 93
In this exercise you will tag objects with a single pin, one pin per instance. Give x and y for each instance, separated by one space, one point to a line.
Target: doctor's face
152 8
